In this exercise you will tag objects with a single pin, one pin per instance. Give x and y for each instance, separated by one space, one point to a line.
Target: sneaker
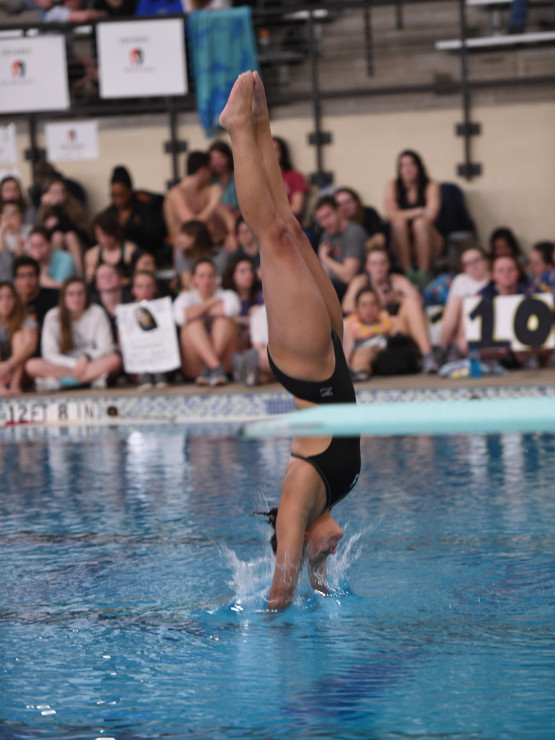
159 380
359 376
100 383
47 384
238 367
251 368
69 382
144 382
429 364
203 378
218 376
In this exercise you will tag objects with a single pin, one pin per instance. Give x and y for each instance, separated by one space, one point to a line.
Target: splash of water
250 580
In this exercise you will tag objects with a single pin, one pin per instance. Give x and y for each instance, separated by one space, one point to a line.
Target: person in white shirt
77 344
208 333
475 275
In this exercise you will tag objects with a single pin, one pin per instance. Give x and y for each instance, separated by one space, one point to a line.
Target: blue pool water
133 580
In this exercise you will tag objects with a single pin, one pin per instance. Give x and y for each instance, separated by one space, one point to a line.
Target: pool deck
234 403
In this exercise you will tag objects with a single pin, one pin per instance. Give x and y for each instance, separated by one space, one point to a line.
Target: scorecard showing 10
520 322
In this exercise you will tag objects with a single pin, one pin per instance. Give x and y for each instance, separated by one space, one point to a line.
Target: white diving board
525 415
501 40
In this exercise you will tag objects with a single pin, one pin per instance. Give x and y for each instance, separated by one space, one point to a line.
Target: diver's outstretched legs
298 318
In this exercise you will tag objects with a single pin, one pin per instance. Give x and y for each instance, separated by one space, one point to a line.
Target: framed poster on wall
141 58
33 74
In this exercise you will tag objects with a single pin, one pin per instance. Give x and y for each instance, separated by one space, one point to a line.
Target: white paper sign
141 58
71 140
520 322
8 148
33 74
148 337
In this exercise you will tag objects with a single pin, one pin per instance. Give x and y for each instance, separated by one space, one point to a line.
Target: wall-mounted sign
33 74
142 58
71 140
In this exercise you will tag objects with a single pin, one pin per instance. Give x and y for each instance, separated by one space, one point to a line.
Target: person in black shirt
38 301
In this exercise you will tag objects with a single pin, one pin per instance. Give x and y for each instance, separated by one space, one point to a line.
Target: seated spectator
474 275
296 186
221 165
252 367
503 242
540 265
145 288
76 343
192 243
111 249
43 173
56 265
142 261
342 244
196 198
138 212
241 277
10 190
18 340
109 292
247 246
14 234
508 278
412 204
208 333
349 203
37 300
398 297
365 334
65 219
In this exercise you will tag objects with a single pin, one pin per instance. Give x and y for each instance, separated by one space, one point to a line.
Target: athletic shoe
203 378
100 383
69 382
144 382
251 368
47 384
238 367
429 364
218 376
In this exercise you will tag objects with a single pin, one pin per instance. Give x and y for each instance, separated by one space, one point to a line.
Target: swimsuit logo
354 481
18 68
326 392
136 57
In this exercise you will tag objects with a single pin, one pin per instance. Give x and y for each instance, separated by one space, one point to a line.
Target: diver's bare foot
259 102
238 109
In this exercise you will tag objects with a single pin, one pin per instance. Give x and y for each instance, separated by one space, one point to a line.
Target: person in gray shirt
342 244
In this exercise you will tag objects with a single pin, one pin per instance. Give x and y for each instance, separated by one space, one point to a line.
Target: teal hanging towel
221 45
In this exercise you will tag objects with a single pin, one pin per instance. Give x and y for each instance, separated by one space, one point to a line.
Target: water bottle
475 364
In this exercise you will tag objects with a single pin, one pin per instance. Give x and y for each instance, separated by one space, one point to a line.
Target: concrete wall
516 150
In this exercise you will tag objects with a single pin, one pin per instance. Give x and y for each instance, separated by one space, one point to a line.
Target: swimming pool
133 581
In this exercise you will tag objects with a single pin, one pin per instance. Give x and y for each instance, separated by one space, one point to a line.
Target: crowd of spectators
65 272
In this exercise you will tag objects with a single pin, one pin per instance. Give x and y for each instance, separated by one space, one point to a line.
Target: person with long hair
399 298
10 190
77 345
353 209
221 164
296 186
65 219
208 332
18 340
412 204
192 243
240 276
111 248
305 329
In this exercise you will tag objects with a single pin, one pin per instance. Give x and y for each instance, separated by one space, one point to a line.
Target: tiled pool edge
233 406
